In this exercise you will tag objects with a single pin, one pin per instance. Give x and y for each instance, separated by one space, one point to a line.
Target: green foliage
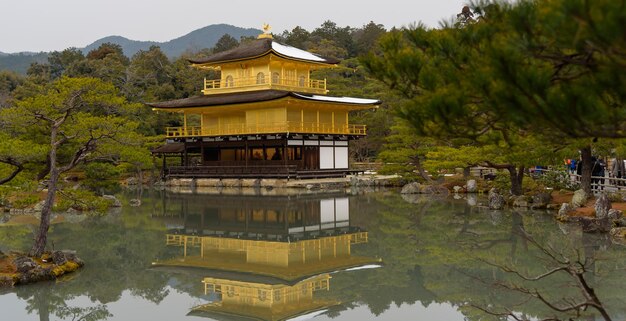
81 200
25 200
502 181
558 180
226 42
100 176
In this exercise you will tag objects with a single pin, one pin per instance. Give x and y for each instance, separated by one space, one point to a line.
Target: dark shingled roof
247 97
255 48
222 99
171 148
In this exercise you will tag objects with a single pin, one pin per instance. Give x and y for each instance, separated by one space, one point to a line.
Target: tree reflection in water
434 251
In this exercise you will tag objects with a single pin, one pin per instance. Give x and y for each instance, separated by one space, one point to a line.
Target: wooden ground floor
284 156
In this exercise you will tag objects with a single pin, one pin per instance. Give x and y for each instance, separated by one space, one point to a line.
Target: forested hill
198 39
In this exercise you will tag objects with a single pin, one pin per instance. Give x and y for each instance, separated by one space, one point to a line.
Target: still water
237 255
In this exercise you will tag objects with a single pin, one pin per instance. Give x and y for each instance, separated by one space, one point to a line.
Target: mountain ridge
204 37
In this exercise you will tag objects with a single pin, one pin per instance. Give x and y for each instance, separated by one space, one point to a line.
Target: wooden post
164 166
186 158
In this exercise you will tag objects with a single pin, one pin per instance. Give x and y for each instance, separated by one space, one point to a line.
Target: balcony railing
217 86
270 128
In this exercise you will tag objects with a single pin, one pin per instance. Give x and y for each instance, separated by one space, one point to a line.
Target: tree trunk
420 169
587 165
44 223
517 177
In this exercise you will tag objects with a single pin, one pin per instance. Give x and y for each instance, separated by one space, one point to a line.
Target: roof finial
266 32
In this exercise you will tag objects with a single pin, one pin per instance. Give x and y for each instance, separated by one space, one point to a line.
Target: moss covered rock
50 266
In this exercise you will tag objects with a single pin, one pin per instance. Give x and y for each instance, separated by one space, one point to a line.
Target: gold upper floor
287 115
267 72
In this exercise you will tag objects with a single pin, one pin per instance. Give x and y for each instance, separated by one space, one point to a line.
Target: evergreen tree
76 120
552 68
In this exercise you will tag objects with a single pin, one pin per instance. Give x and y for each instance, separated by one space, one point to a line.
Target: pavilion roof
261 47
256 96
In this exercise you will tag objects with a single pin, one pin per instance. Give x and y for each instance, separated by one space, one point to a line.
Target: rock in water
134 202
541 200
603 205
564 211
411 188
618 232
595 225
114 201
615 214
471 186
434 189
496 200
579 199
457 188
472 200
58 258
24 264
521 201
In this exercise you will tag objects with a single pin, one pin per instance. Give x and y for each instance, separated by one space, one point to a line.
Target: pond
239 255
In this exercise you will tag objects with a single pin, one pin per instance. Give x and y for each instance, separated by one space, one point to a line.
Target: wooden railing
214 86
267 128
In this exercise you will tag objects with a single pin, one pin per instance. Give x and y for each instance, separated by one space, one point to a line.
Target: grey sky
44 25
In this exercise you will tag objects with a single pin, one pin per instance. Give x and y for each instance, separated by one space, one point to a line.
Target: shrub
81 200
25 201
558 180
99 176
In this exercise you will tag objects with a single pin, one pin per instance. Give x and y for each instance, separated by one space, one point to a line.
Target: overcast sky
45 25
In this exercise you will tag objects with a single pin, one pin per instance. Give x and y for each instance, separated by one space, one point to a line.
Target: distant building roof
171 148
255 96
262 47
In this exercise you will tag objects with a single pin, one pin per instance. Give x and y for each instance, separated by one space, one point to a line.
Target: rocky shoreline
17 268
603 218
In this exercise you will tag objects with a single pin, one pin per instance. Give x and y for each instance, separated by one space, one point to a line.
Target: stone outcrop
472 186
618 232
114 202
602 206
521 201
541 200
615 214
51 266
417 188
564 211
579 199
595 225
24 264
411 188
496 200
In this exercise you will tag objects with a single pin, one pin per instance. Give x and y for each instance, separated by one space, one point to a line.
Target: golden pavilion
264 117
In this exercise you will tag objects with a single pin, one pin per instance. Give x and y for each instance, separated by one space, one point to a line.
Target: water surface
186 256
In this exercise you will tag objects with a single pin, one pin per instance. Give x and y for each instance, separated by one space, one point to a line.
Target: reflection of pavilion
262 301
292 241
280 218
